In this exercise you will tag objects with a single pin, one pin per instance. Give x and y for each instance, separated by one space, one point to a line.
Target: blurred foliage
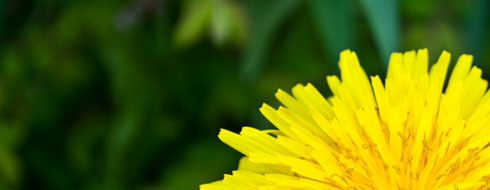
131 94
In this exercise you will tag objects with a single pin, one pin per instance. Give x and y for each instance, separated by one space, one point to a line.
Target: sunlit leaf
221 21
193 21
229 23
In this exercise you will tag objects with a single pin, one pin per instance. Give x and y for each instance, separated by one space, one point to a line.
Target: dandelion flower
407 133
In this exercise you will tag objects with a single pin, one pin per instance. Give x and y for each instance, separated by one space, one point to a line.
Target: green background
131 94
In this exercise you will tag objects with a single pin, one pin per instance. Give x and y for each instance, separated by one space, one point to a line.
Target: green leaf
477 26
240 25
268 17
334 23
10 166
204 161
383 19
229 23
192 23
221 21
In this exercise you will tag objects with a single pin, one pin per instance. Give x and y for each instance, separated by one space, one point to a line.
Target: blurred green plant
226 21
131 94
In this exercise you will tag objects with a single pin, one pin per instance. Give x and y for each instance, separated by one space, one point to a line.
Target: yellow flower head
405 134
